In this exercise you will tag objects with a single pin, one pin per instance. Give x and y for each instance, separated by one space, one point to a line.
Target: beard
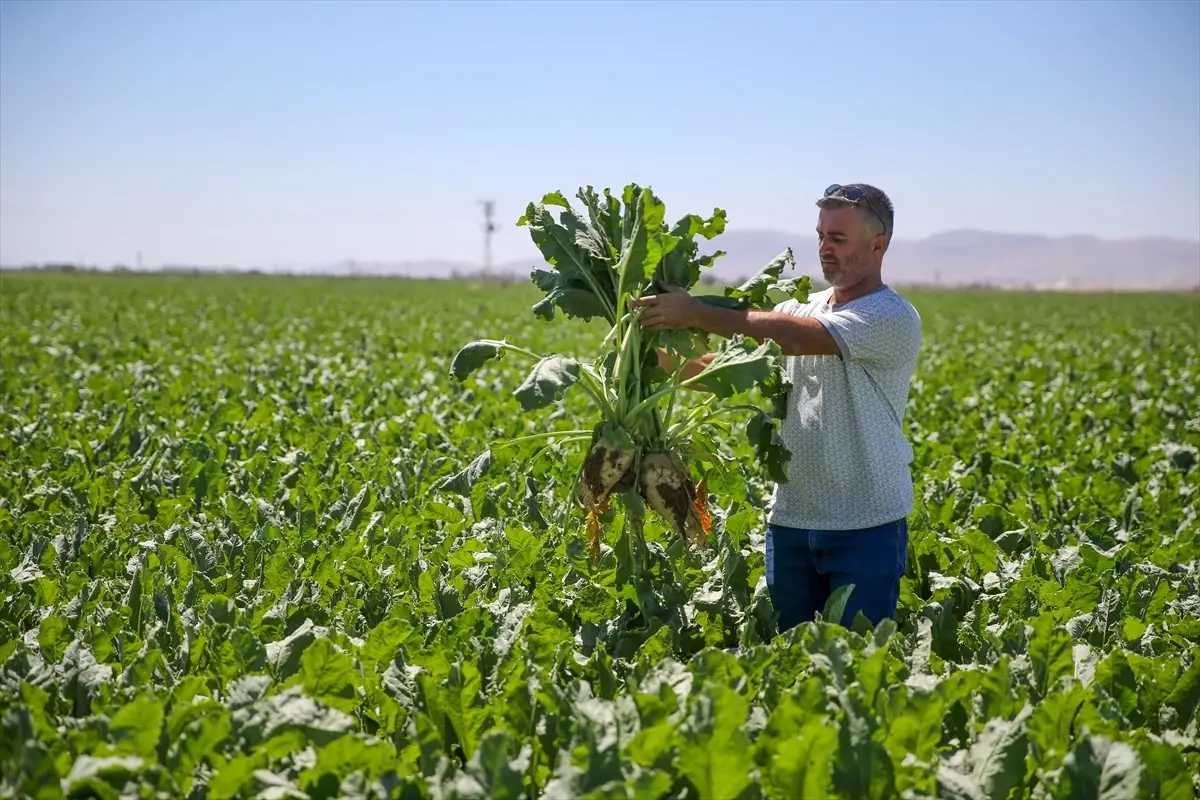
843 274
837 274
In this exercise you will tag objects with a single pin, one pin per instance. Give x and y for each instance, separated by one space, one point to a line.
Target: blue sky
275 133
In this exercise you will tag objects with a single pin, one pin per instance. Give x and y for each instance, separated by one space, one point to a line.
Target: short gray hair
874 205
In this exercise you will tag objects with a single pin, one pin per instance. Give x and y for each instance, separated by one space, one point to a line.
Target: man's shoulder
883 302
888 301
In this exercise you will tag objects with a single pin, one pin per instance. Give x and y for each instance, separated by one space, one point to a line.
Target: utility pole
489 208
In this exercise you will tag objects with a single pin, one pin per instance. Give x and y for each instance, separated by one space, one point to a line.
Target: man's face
845 246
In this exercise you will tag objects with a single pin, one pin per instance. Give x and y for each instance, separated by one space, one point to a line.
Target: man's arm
796 336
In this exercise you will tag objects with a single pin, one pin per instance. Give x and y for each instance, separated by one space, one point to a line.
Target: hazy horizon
253 133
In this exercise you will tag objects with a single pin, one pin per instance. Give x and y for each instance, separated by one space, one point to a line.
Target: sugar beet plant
647 443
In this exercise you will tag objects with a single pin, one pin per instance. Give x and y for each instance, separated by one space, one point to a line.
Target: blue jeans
805 566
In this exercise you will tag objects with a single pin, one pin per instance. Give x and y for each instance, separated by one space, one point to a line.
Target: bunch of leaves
645 446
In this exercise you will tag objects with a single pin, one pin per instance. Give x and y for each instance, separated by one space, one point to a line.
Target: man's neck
848 293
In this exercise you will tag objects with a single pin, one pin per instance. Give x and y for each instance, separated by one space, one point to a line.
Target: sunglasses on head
855 195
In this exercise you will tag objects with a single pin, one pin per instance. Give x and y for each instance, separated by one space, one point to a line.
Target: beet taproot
668 490
607 470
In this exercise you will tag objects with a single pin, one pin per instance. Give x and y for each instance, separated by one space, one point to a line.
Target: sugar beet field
255 544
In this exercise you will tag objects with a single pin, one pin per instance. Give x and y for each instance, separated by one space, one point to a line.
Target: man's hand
672 309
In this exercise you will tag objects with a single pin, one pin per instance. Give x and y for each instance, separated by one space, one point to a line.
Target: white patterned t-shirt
845 419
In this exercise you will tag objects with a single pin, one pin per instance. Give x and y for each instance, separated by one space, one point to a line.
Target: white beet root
606 470
667 488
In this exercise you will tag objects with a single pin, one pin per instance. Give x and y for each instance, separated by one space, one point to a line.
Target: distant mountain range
956 258
971 257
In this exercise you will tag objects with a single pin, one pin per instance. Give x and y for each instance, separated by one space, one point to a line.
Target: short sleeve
880 334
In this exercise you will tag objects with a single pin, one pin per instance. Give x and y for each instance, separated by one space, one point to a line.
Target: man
842 517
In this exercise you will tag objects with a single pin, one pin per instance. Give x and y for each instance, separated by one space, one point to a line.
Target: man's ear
879 243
